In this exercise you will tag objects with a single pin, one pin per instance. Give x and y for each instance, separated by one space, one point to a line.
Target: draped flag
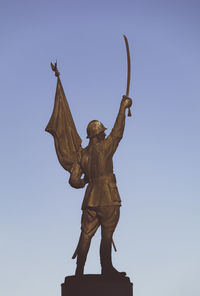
61 126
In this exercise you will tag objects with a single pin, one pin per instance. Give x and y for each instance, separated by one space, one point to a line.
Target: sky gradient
157 163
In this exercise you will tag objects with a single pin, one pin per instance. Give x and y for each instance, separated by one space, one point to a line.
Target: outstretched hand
126 101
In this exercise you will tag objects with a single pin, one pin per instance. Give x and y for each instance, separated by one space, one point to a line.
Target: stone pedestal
96 285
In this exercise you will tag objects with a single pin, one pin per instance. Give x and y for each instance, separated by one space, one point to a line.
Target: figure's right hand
126 101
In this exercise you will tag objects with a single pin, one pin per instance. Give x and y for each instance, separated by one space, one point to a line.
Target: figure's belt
107 177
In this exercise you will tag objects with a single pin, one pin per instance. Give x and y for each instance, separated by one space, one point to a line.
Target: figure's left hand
127 102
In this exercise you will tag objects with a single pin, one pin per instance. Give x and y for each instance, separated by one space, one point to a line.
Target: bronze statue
101 204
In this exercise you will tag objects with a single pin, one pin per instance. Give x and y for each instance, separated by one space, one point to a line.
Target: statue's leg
89 225
109 217
105 250
83 248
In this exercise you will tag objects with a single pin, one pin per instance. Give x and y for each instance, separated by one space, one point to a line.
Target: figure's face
101 136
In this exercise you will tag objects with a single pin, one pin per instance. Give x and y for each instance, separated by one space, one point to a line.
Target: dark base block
96 285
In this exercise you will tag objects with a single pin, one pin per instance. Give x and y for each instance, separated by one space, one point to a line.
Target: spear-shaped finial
55 69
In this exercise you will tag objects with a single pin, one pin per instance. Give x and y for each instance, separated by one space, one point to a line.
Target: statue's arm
118 129
75 179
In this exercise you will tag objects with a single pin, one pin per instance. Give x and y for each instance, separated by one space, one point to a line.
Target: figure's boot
83 249
106 260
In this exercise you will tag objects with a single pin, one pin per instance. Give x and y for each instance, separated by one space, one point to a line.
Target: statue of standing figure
93 166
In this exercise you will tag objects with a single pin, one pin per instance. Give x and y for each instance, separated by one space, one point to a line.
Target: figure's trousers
92 218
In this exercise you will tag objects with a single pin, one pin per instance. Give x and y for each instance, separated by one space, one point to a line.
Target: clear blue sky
157 163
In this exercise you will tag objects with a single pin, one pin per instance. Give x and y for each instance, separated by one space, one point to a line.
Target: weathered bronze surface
93 166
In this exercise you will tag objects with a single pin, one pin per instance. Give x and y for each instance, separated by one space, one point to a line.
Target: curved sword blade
128 70
128 66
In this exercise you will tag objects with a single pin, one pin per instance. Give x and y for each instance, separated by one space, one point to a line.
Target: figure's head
95 128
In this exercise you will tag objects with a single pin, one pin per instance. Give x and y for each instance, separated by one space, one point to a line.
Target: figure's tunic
95 161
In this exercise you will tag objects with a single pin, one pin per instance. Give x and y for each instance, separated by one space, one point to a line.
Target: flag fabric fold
61 126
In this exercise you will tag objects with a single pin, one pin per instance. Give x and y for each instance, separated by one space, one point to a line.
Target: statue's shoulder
85 150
